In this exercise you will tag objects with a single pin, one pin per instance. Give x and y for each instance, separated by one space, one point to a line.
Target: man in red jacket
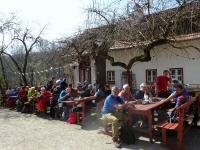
162 83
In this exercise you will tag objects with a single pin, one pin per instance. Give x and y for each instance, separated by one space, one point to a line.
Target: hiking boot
117 144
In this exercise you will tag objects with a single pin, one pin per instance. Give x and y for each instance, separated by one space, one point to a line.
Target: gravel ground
28 132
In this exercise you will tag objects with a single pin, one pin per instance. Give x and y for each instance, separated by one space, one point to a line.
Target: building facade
182 59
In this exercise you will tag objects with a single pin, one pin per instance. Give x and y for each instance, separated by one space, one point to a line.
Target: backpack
126 134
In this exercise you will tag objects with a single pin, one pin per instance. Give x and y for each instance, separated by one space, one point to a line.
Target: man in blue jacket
113 103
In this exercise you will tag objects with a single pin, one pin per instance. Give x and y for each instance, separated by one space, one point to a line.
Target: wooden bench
179 126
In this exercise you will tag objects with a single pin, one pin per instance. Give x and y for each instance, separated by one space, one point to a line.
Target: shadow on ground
191 139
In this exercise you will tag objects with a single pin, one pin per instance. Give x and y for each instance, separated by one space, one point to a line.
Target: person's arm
121 106
171 96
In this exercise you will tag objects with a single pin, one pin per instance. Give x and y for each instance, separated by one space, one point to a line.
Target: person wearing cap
63 84
110 113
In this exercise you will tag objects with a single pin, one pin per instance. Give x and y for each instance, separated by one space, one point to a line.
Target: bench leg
164 136
179 139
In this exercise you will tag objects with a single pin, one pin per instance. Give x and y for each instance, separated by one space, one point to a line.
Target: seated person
64 96
32 97
89 91
54 101
43 100
173 89
126 94
80 90
22 98
143 93
178 94
107 90
110 112
100 97
140 93
179 97
73 92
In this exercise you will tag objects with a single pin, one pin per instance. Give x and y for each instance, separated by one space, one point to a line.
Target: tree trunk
130 79
23 75
3 73
2 89
100 64
32 78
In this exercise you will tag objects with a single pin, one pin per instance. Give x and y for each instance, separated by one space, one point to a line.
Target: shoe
117 144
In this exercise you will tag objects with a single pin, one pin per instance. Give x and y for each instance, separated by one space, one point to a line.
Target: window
177 74
124 79
111 77
151 75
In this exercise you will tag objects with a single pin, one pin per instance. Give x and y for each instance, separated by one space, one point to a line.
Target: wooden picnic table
147 111
81 101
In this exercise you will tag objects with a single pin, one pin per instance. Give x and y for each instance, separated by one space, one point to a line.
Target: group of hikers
113 101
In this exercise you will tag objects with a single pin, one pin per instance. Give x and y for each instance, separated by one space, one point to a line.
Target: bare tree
27 41
6 24
151 24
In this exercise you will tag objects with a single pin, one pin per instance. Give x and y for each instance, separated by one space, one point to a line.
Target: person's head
32 89
79 84
115 91
23 88
179 88
90 86
166 73
126 88
107 87
143 87
58 82
27 88
68 90
175 82
42 89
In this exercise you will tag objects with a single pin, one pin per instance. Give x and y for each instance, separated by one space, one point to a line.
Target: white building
183 63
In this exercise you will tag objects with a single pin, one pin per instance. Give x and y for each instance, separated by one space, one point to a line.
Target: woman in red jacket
44 100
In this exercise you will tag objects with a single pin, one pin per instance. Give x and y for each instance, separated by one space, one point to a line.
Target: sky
62 17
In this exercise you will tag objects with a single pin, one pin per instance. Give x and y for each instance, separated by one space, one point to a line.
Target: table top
79 100
142 108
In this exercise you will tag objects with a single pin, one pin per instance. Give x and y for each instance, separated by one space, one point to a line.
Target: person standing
162 83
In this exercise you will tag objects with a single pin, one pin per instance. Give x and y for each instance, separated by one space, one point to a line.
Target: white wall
164 57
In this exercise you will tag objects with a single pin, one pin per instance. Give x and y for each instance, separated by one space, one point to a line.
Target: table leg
150 130
84 108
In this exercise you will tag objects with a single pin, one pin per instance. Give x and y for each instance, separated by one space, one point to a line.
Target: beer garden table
147 111
81 101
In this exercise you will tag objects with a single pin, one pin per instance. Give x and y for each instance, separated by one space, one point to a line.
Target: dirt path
29 132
